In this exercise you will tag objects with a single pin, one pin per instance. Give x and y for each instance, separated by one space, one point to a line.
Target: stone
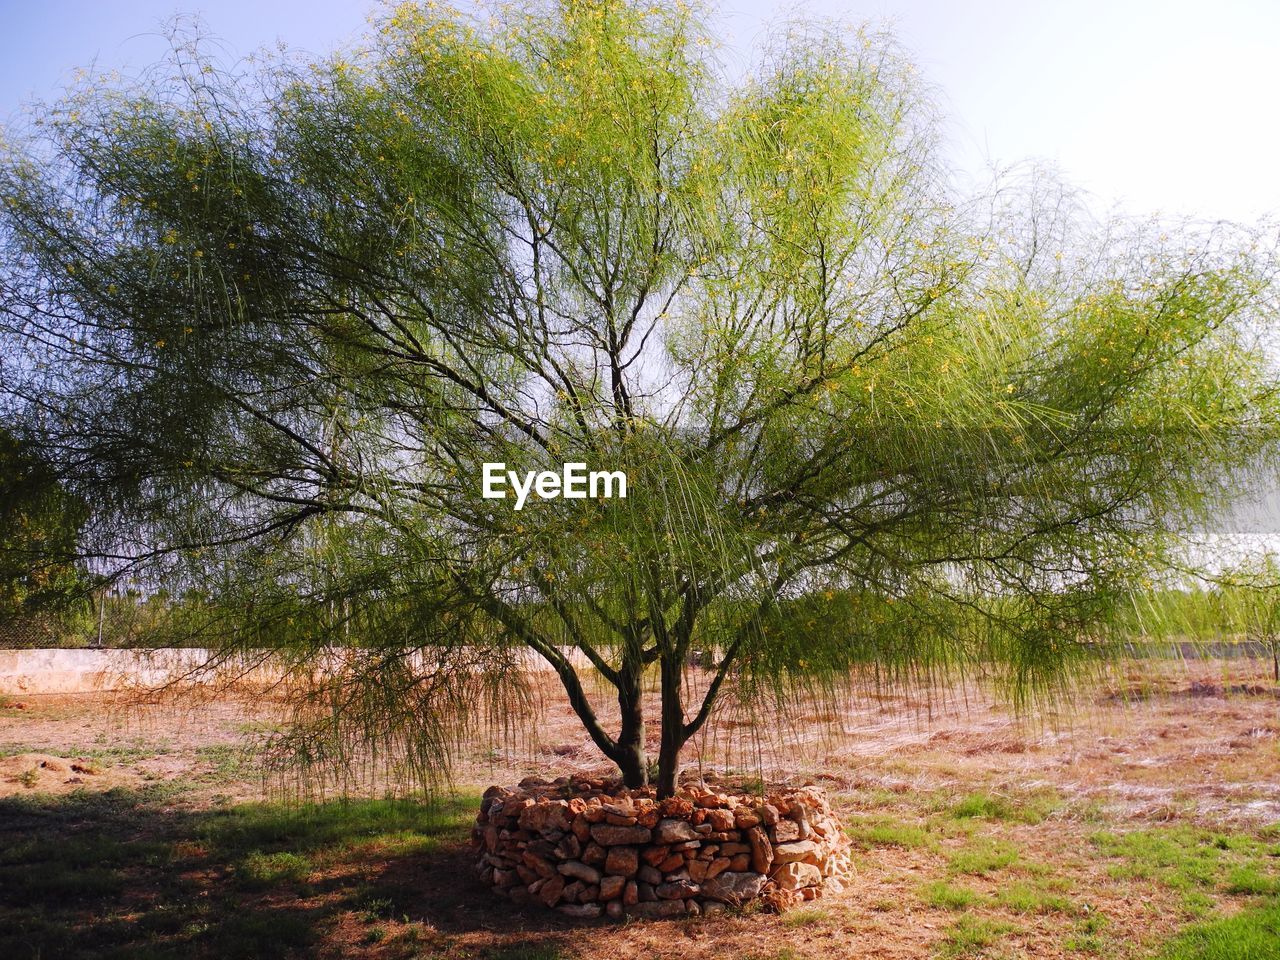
559 844
673 862
582 911
676 890
674 831
543 868
785 831
676 807
622 861
569 848
761 850
551 891
654 855
533 817
580 871
718 866
558 815
658 909
794 876
609 835
721 820
734 888
797 851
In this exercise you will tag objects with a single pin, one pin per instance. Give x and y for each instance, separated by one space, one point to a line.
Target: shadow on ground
132 874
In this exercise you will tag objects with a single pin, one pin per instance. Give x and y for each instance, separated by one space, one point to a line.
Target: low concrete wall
84 671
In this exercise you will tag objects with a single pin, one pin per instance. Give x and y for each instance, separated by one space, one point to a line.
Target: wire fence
111 622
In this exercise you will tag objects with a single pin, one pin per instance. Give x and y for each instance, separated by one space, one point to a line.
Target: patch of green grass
806 917
882 831
1088 936
109 874
378 908
1022 897
1031 808
983 857
970 935
948 896
259 870
1182 857
228 762
263 935
526 951
341 825
1249 935
1248 880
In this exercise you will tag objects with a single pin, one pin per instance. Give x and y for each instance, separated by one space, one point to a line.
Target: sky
1149 107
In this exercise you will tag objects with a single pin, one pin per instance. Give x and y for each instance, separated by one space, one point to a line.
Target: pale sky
1149 106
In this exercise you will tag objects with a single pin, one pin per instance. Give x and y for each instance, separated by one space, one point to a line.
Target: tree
275 323
1248 599
40 525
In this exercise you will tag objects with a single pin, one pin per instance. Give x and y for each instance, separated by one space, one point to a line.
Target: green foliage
1252 934
40 522
871 434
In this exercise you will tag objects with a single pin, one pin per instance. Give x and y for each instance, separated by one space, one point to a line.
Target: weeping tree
272 321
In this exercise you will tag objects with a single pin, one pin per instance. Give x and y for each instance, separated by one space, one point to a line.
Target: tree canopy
271 320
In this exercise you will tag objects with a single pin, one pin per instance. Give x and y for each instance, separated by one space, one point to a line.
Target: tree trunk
632 759
672 729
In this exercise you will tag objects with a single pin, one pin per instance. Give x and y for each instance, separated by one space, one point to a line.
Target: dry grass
976 834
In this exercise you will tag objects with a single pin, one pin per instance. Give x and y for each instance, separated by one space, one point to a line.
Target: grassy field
1149 832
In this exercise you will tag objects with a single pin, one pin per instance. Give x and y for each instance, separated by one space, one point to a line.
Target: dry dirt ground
1151 805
